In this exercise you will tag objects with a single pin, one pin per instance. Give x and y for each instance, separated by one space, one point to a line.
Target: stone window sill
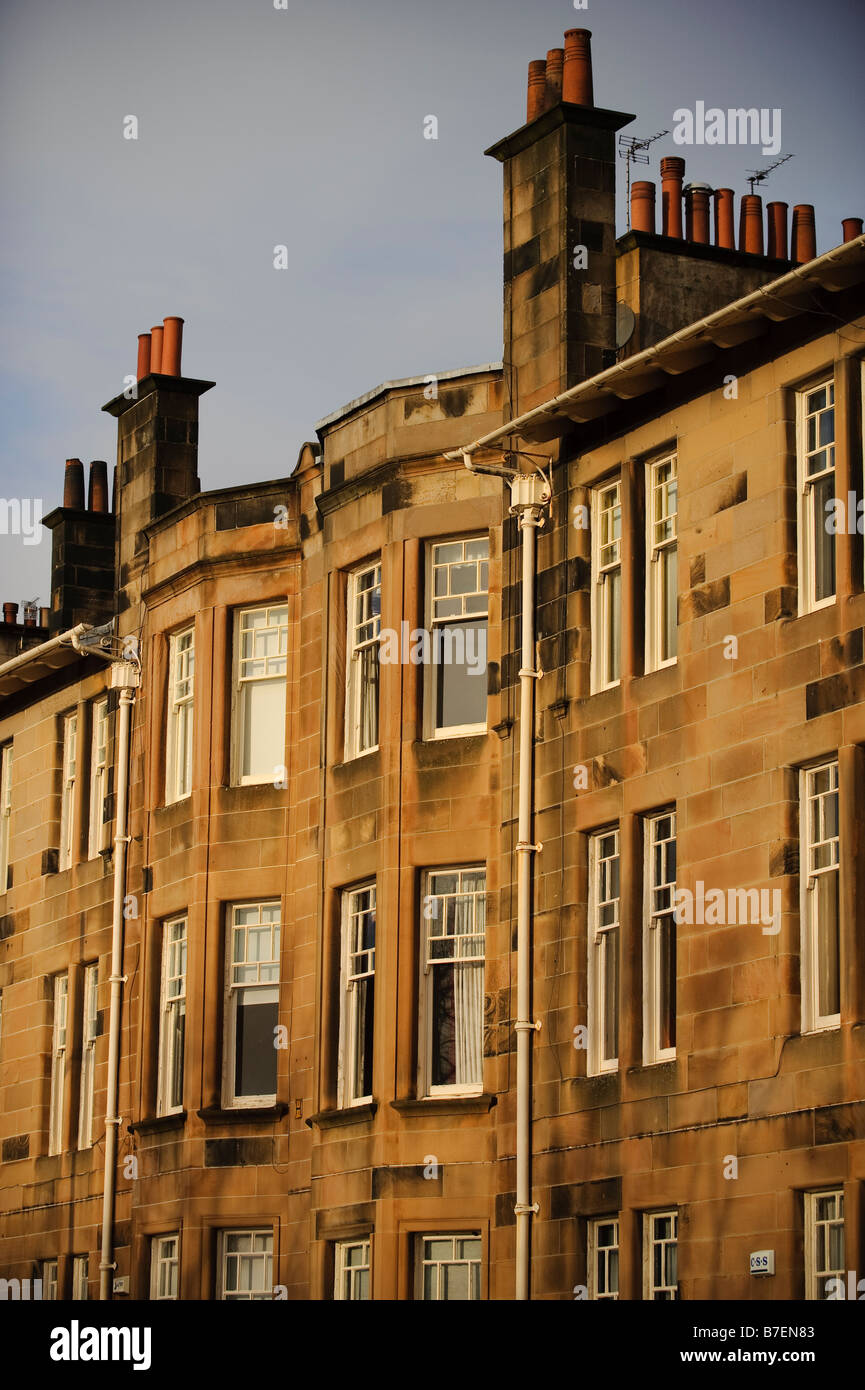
446 1105
351 1114
253 1114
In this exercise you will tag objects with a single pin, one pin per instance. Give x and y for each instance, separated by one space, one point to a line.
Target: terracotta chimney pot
156 348
697 213
752 223
672 174
577 84
143 355
851 227
803 238
172 342
555 65
97 491
643 206
724 199
537 89
10 612
776 231
73 485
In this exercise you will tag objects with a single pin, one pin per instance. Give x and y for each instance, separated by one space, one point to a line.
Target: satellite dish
625 324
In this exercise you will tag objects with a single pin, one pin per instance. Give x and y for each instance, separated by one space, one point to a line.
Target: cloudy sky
304 127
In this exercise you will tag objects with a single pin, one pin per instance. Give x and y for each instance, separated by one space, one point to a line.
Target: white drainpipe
125 677
530 497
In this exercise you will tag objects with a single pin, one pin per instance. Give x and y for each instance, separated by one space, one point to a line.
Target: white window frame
813 1272
606 665
363 632
651 1290
180 724
437 618
805 489
275 670
59 1038
68 786
89 1024
662 532
602 904
263 1259
346 1276
5 813
810 813
456 1259
601 1255
80 1272
357 966
50 1275
172 1002
658 904
165 1267
434 911
268 977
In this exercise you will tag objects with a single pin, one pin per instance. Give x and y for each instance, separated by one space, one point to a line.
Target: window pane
460 674
255 1059
828 964
263 746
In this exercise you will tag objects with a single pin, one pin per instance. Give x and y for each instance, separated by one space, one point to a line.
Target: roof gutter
651 354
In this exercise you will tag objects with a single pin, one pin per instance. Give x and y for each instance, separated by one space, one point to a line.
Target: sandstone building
317 890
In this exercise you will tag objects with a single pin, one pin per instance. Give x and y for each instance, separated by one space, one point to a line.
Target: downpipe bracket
525 847
523 1209
524 1025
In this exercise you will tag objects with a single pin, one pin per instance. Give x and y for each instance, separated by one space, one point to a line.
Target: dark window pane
255 1054
460 674
444 1027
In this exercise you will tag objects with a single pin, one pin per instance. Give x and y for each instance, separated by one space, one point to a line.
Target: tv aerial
756 176
633 149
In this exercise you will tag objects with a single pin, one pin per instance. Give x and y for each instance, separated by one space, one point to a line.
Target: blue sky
304 127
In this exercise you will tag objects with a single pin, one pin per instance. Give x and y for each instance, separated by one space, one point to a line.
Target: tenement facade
272 972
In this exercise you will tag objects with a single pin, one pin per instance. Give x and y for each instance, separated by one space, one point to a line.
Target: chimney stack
643 206
724 219
82 552
577 85
851 227
776 244
559 232
555 64
803 239
672 174
751 231
537 89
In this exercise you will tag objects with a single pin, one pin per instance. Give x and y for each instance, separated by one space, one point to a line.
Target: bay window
457 607
172 1018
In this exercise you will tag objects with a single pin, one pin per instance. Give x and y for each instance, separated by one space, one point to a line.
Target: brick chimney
559 232
157 447
82 550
